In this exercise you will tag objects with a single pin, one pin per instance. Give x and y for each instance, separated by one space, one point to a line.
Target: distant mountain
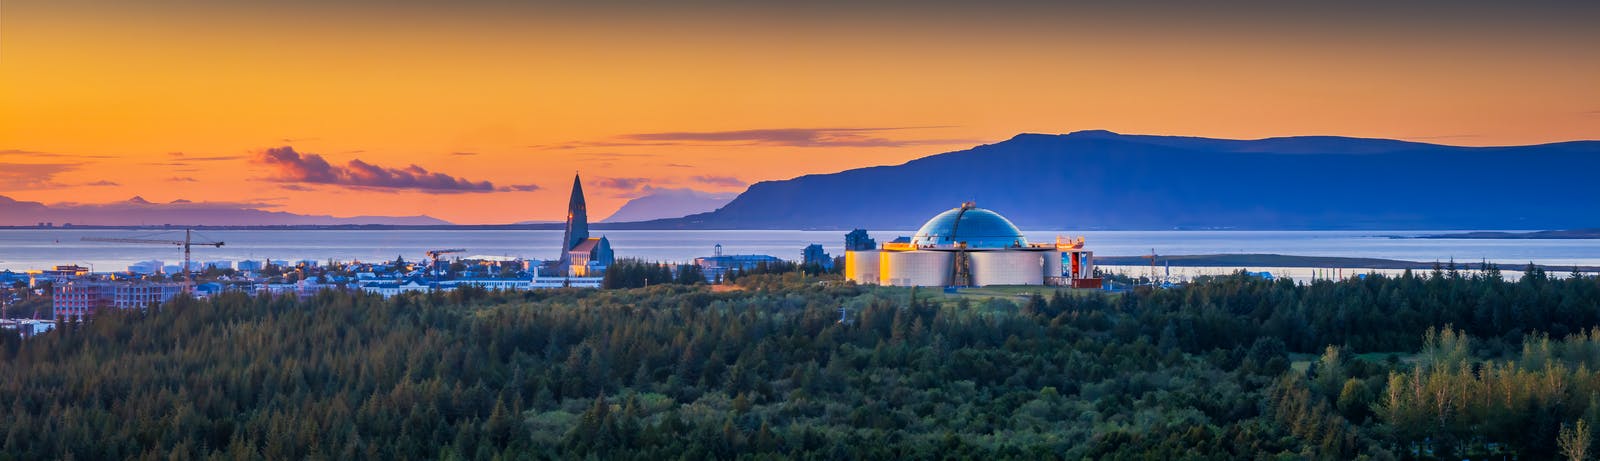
1568 234
668 203
138 211
1105 180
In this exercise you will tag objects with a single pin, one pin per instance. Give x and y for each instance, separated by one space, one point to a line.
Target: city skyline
476 112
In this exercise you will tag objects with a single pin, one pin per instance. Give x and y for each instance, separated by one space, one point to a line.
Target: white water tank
1007 267
861 266
1052 264
915 268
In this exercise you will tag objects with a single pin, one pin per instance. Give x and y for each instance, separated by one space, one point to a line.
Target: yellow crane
187 242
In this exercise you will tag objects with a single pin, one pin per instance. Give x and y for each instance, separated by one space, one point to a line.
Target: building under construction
971 246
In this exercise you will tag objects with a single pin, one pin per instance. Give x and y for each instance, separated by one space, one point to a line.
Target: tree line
1230 367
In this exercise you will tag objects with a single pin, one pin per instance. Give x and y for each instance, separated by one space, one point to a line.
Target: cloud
182 179
138 211
588 144
40 154
678 165
796 137
725 181
102 183
786 137
296 187
614 155
621 183
32 175
294 167
463 154
211 158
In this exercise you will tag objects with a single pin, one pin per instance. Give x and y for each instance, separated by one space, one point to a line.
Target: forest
1440 365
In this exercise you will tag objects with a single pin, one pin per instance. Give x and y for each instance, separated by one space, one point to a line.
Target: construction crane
186 243
1152 257
434 255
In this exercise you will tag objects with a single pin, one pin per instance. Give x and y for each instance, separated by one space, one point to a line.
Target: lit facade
581 255
79 299
971 246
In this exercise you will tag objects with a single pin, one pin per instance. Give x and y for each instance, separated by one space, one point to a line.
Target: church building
581 255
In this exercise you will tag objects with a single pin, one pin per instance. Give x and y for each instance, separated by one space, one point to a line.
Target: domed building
971 246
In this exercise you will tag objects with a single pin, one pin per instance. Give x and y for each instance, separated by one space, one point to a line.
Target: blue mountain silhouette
1105 180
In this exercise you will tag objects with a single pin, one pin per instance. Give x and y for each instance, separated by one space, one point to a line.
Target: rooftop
973 226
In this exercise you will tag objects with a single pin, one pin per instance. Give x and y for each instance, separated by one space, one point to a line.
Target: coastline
1320 262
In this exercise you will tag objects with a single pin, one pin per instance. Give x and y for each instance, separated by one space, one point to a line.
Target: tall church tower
577 222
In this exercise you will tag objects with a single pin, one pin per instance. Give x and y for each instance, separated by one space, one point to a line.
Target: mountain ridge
664 203
1103 180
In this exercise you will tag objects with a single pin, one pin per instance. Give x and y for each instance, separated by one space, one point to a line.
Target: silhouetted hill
1565 234
1104 180
668 203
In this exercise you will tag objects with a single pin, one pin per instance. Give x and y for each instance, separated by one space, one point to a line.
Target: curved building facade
1017 267
914 268
861 265
968 246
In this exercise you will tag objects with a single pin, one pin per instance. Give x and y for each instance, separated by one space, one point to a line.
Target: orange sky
173 99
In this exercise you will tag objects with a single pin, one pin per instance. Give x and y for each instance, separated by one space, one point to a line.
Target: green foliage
681 372
1452 403
633 273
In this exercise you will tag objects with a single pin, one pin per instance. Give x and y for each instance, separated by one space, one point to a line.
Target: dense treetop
1227 368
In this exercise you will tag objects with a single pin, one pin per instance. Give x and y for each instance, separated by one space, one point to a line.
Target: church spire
577 220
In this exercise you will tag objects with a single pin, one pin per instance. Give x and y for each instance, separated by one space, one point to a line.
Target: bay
22 249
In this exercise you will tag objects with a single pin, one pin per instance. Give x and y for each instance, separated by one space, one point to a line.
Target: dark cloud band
294 167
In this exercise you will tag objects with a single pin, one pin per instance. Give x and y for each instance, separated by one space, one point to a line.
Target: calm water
33 249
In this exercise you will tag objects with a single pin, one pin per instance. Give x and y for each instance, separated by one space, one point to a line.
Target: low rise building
814 254
27 328
392 288
78 299
302 289
146 267
490 283
545 283
718 265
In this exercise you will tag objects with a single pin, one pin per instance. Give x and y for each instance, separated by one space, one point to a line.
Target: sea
24 249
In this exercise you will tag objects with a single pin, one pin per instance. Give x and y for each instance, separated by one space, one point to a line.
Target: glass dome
977 227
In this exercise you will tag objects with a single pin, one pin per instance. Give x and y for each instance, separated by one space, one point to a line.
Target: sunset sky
481 111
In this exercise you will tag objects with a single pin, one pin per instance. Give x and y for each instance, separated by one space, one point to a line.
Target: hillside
667 203
1104 180
1217 370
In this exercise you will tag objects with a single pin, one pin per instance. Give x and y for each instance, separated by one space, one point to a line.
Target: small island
1321 262
1593 233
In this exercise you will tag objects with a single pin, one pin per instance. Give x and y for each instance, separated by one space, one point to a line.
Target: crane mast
187 243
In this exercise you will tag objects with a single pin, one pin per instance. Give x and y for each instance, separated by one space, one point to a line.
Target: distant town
966 246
